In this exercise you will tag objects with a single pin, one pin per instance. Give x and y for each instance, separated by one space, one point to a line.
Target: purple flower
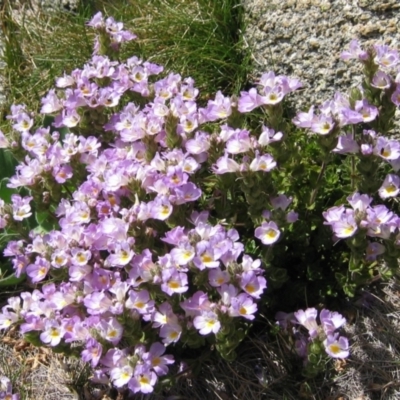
200 143
225 165
281 202
206 256
217 277
385 56
92 353
207 322
269 136
184 254
354 52
337 347
111 330
121 375
250 100
374 249
390 187
322 124
170 333
239 142
143 380
52 333
156 360
305 120
331 321
359 202
381 80
396 96
62 173
51 103
186 192
252 284
273 95
346 226
308 318
283 319
387 149
242 306
140 301
21 207
160 208
367 111
6 389
38 271
346 145
174 281
219 108
292 217
268 232
263 163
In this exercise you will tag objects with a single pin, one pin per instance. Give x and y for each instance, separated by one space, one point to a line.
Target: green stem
353 163
320 175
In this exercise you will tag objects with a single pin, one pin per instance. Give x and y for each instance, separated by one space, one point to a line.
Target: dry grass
266 367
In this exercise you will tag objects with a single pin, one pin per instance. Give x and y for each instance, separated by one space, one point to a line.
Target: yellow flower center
156 361
113 333
173 284
173 335
334 348
391 188
139 304
54 333
271 234
206 258
250 288
144 380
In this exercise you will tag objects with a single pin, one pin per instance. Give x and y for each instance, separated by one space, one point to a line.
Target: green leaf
45 221
33 337
8 163
355 265
12 280
5 192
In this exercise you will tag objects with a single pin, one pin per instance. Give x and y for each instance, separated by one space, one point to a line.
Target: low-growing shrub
149 227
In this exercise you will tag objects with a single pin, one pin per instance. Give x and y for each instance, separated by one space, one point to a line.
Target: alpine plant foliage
146 220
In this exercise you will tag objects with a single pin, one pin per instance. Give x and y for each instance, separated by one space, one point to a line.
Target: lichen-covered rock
304 38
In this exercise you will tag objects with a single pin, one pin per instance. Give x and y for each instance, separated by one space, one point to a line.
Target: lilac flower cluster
102 293
368 146
271 91
324 332
131 264
130 267
372 221
385 59
6 391
336 113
